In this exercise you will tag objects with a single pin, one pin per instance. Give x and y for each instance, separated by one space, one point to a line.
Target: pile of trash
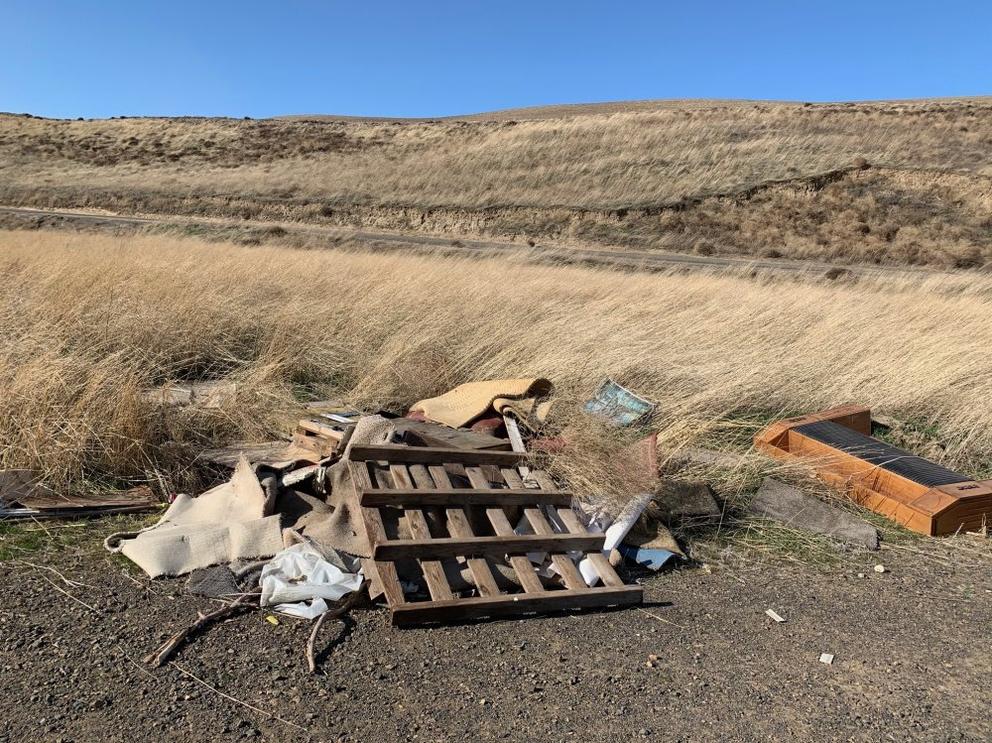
302 527
286 533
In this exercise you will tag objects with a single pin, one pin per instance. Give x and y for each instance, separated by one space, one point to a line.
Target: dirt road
381 240
912 661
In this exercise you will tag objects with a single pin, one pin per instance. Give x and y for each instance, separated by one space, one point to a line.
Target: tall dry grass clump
89 321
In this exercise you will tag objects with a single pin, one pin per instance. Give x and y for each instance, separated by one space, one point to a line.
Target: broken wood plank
398 549
463 497
514 605
400 454
435 516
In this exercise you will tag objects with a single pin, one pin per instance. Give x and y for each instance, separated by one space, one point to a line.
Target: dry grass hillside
900 182
89 321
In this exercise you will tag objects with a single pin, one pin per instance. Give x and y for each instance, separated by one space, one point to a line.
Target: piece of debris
648 534
880 569
313 441
782 502
826 658
912 491
336 613
618 405
425 433
684 504
650 558
266 452
317 440
217 582
335 410
170 646
224 524
614 531
23 495
211 394
774 615
386 476
527 399
300 574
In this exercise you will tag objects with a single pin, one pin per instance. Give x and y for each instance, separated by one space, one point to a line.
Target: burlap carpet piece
223 524
344 529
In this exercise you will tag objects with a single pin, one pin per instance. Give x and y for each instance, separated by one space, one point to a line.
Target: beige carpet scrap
466 402
223 524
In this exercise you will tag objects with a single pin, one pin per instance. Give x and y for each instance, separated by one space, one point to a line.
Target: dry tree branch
336 613
160 656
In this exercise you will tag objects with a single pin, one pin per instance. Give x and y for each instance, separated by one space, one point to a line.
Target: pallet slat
524 603
437 583
399 549
459 526
562 563
386 576
463 497
400 454
526 574
599 561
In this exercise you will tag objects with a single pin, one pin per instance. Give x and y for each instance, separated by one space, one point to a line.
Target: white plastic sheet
299 574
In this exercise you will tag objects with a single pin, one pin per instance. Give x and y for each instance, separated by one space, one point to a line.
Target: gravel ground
912 660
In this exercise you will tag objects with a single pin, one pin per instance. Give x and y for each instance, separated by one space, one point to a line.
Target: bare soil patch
910 662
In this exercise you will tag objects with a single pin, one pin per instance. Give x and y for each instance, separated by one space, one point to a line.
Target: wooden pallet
461 505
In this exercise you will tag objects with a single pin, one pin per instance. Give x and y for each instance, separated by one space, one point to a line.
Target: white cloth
300 574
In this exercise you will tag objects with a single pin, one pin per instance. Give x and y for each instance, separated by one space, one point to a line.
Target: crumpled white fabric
299 574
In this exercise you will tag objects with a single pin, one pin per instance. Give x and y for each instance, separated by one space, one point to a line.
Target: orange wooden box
912 491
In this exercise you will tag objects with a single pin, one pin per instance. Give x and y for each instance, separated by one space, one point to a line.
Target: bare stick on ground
160 656
335 613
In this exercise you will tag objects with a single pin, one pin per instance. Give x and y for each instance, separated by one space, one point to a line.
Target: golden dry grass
692 177
88 321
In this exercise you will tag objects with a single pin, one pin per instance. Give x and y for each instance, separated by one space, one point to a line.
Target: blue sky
249 58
